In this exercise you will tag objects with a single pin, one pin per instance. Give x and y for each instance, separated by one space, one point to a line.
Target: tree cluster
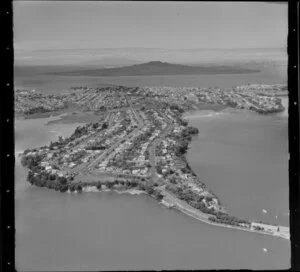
193 199
39 109
225 218
176 108
51 181
258 228
32 161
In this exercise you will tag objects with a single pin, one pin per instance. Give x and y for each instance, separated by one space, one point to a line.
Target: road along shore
172 202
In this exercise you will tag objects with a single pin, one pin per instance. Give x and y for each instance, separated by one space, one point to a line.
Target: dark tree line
51 181
31 162
39 109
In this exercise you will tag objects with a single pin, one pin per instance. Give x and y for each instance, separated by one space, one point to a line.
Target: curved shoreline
170 202
204 218
176 204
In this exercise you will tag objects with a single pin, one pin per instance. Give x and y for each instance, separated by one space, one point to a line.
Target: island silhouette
159 68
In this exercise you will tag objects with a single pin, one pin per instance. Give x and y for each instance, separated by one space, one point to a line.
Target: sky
142 26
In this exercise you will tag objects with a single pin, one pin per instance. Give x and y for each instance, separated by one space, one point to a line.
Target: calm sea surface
274 74
243 158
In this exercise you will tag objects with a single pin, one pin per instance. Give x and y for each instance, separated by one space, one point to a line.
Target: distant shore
75 116
153 68
64 117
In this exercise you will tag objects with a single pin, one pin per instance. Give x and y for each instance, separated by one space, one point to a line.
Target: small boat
264 211
265 250
276 216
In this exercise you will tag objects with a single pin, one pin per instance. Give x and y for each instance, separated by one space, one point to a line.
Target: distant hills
159 68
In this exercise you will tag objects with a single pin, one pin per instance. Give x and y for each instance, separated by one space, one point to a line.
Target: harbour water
241 157
269 74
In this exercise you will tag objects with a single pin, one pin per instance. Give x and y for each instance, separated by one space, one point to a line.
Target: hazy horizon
179 32
130 56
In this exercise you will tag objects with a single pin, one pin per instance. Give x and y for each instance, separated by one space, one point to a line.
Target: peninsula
139 143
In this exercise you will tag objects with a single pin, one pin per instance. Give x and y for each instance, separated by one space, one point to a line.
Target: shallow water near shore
111 231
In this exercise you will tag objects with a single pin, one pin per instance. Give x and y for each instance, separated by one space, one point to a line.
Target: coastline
176 203
69 117
93 189
171 203
210 112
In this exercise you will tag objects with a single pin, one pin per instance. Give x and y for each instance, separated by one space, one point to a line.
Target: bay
243 158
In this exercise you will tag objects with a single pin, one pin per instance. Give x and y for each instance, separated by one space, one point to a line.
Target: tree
109 185
159 169
149 190
72 187
104 125
134 183
212 219
184 123
55 185
79 188
128 184
95 125
63 188
199 198
182 149
62 180
141 187
173 180
158 195
99 185
52 177
208 198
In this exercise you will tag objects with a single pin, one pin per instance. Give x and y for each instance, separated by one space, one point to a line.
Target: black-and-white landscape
151 136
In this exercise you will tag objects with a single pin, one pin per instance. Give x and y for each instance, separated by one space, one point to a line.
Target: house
135 172
44 163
